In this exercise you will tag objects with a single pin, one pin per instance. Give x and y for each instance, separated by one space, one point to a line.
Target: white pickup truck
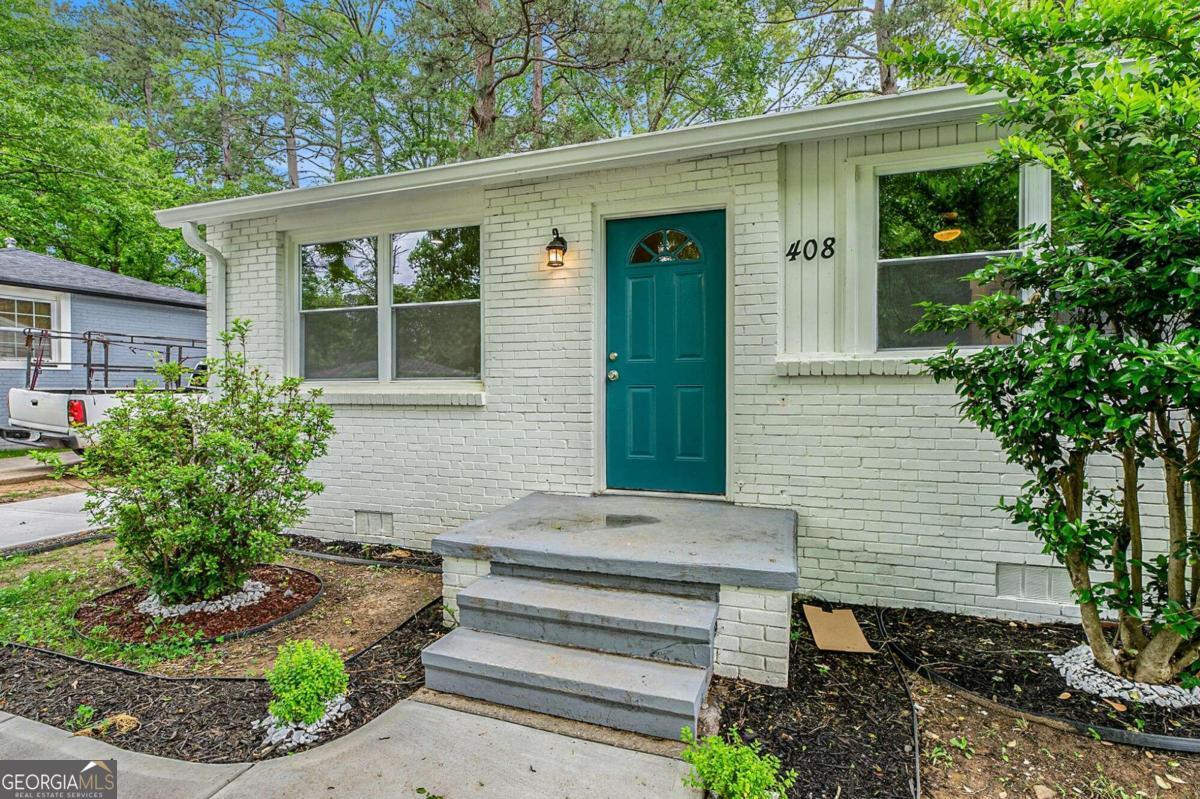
110 364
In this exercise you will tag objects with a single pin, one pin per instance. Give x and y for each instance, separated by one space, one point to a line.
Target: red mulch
117 610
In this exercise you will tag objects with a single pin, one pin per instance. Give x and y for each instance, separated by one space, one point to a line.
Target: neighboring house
729 319
40 291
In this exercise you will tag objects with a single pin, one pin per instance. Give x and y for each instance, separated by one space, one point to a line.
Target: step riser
602 638
601 580
580 708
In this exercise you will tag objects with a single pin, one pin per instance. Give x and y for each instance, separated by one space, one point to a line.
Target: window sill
842 364
468 393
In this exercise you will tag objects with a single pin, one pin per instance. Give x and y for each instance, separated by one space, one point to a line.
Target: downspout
216 285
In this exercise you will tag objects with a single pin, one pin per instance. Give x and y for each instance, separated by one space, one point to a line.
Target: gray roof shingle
33 270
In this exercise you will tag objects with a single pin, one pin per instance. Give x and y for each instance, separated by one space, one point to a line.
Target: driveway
34 520
411 746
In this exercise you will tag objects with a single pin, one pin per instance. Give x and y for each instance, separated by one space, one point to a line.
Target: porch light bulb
555 251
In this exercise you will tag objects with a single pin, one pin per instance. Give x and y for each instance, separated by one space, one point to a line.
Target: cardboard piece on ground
836 631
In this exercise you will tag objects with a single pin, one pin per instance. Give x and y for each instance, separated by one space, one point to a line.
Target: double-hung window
34 311
936 227
395 306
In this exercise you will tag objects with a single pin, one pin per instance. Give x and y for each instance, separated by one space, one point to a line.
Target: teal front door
665 364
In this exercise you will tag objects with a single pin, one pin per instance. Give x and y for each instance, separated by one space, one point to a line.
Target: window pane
438 340
339 274
903 284
339 345
949 211
435 293
435 265
11 344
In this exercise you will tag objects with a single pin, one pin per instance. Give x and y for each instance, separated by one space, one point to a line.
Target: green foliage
84 714
38 609
1105 95
729 768
196 486
71 180
305 676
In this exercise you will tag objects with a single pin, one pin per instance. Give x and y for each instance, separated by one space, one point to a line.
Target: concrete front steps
550 642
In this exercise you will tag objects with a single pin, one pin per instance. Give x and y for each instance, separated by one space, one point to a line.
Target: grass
13 453
39 595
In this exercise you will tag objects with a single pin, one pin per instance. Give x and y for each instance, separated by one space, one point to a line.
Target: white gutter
216 285
912 109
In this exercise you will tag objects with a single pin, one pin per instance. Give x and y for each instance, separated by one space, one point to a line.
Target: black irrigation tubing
293 613
916 732
198 677
353 561
1146 740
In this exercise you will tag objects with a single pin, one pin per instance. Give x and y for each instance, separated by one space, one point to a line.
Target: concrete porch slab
687 540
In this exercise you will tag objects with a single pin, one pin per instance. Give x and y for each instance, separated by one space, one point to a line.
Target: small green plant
729 768
84 714
305 676
938 756
963 745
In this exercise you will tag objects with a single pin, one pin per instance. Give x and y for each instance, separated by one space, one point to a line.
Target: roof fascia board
107 295
891 113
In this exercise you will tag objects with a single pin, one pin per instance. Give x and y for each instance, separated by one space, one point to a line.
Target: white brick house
821 411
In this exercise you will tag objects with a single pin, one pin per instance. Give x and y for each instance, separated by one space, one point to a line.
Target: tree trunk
1153 664
889 76
289 106
483 109
1071 487
1129 546
538 108
1192 453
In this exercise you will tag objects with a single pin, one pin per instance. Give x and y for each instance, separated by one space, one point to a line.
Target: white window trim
860 331
60 319
436 391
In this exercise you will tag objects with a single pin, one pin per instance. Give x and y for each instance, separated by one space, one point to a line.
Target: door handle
613 375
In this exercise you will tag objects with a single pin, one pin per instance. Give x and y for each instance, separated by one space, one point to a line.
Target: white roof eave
860 116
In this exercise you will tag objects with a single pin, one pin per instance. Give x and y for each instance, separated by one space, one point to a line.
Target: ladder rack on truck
43 414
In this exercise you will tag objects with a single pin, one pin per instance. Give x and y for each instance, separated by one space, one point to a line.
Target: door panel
666 323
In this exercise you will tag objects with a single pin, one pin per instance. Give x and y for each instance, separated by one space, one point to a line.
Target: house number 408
809 249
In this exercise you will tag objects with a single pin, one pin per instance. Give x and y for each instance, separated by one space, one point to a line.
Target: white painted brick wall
896 498
754 628
457 574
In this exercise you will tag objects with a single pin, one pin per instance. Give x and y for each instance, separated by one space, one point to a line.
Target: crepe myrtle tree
197 485
1105 368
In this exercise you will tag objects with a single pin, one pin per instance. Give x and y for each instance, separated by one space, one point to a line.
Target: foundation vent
372 523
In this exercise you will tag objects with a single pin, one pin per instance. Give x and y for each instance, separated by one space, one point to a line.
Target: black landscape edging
353 561
293 613
916 730
1146 740
219 677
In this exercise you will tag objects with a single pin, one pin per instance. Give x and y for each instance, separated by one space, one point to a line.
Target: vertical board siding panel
910 140
793 286
968 133
928 137
947 135
873 144
831 294
810 220
891 142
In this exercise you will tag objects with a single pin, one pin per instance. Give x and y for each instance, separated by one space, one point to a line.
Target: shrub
196 486
732 769
305 676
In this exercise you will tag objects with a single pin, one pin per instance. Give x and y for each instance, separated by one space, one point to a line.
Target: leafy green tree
1105 307
72 180
196 487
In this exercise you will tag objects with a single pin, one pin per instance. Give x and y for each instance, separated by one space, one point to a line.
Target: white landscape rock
1078 667
251 593
285 736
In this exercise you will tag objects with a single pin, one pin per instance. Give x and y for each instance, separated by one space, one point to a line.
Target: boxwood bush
197 485
306 675
729 768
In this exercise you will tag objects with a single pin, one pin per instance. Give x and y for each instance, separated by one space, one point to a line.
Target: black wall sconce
555 251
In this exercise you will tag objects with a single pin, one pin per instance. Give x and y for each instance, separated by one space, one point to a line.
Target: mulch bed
205 720
1006 661
117 610
384 553
844 722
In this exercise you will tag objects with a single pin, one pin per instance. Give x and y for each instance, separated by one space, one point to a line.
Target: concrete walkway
38 519
413 745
